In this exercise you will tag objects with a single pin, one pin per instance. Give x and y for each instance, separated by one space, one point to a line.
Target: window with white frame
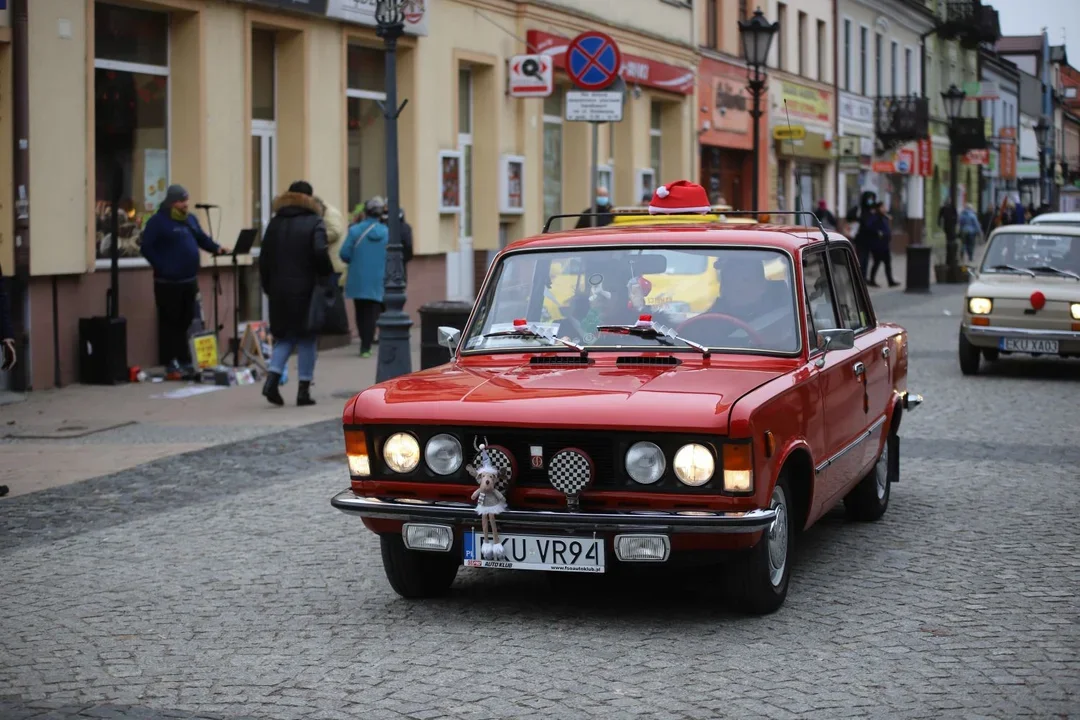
655 137
879 41
131 128
847 55
907 71
894 59
365 88
465 145
553 141
864 40
822 44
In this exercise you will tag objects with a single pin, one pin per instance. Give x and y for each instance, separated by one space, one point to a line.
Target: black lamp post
395 355
954 105
1042 134
757 34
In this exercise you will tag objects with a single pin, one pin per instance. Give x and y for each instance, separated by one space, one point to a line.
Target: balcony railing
971 23
898 120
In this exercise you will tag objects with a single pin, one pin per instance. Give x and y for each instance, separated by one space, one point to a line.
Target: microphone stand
217 280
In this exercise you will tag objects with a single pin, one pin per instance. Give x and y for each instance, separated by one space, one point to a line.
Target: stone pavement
221 584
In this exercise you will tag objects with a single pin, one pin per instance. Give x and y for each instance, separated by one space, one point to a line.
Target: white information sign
601 106
531 76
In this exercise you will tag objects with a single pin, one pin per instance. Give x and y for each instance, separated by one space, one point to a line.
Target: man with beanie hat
171 241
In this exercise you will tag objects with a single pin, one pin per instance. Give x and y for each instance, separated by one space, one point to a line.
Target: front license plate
1028 345
539 552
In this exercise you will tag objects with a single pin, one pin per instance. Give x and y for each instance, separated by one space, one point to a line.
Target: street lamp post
757 34
1042 134
395 355
954 105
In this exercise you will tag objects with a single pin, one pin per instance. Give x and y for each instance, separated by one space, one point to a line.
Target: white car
1025 296
1058 218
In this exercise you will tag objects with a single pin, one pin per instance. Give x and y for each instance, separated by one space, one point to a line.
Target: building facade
235 100
878 46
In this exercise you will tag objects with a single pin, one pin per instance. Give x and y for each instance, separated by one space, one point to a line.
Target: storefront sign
1027 169
857 109
883 166
635 69
1008 160
601 107
731 102
314 7
925 158
805 103
789 132
815 146
976 157
362 12
985 90
903 162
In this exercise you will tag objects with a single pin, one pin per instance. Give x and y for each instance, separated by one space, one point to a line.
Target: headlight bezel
985 305
460 460
662 465
692 446
386 454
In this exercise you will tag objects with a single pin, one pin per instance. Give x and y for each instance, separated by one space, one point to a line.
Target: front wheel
762 573
869 500
969 356
417 574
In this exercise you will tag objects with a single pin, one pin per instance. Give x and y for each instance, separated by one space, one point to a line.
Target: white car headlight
980 306
1074 309
645 463
443 454
694 465
402 452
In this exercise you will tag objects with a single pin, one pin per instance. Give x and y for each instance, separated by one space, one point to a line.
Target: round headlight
645 463
402 452
694 465
980 306
443 454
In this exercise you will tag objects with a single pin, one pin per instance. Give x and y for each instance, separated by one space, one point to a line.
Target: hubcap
881 470
778 538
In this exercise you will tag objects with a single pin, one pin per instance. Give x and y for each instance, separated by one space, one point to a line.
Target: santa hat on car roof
681 197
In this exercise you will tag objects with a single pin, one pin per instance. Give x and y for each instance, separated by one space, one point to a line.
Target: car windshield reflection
1026 252
730 298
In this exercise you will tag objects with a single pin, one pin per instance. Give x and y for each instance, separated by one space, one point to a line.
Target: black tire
990 354
417 574
869 500
759 588
969 356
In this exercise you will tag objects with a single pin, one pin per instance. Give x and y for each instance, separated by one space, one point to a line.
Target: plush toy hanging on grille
489 501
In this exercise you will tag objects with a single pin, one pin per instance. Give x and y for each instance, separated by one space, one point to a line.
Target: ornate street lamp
757 34
954 106
1042 134
395 354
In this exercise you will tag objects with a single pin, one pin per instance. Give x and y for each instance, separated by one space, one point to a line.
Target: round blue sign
593 60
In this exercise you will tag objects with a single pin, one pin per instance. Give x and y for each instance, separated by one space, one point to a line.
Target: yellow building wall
58 138
7 240
228 139
326 110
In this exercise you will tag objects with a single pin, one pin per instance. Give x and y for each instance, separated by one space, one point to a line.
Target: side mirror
449 338
836 339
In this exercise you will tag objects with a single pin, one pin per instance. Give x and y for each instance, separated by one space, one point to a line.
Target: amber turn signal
357 453
770 444
738 468
980 320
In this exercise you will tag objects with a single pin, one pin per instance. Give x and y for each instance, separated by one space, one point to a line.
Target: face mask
177 214
602 201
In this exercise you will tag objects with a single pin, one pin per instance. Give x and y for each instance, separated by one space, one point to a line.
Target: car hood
1019 287
683 398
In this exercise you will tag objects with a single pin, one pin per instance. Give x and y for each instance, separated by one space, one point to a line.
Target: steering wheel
734 321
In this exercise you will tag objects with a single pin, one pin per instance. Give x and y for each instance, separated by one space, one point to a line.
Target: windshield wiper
1013 268
524 331
1059 271
649 331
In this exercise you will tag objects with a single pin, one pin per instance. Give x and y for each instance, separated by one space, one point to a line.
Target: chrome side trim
622 521
990 330
851 446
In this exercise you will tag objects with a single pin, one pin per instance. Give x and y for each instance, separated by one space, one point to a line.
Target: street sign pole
595 169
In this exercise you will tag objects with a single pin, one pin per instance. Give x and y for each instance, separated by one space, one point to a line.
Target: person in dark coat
603 209
880 246
171 241
406 238
863 239
7 330
293 259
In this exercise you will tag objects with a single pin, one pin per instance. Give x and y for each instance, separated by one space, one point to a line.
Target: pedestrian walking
364 251
880 245
969 231
602 209
825 216
294 266
170 242
863 239
7 330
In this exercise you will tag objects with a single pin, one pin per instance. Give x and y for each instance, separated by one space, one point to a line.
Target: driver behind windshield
749 297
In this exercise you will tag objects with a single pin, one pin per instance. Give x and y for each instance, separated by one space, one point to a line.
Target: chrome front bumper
410 509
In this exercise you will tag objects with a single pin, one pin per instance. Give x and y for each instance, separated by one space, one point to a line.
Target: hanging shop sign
789 132
531 76
803 102
362 12
635 69
925 158
976 157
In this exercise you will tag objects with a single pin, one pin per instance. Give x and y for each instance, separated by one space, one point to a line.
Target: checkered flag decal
570 471
504 463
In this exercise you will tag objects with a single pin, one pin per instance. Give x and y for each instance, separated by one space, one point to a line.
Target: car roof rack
714 210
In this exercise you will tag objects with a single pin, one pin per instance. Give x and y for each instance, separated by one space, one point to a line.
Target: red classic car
619 425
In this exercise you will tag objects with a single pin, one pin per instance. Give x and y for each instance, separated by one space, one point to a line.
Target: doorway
253 302
459 263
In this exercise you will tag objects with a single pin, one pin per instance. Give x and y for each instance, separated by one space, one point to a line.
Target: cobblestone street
221 583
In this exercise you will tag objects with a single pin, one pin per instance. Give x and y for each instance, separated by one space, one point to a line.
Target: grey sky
1029 17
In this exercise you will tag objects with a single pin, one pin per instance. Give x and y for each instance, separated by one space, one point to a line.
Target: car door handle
859 369
885 353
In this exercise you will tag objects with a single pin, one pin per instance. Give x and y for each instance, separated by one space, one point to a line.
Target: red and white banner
635 69
976 157
926 158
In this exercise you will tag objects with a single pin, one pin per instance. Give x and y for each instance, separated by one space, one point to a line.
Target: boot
303 394
270 389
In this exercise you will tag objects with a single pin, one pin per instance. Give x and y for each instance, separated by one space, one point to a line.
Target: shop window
553 118
131 138
655 137
366 126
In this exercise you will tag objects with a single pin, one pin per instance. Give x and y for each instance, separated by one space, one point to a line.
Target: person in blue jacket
364 251
171 241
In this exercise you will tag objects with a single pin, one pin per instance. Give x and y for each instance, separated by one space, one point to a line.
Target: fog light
642 548
434 538
738 468
356 451
359 465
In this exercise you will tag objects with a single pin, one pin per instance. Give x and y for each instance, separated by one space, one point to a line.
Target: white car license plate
1028 345
539 552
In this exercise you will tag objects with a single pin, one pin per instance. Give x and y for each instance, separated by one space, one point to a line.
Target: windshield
1070 220
722 298
1024 250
